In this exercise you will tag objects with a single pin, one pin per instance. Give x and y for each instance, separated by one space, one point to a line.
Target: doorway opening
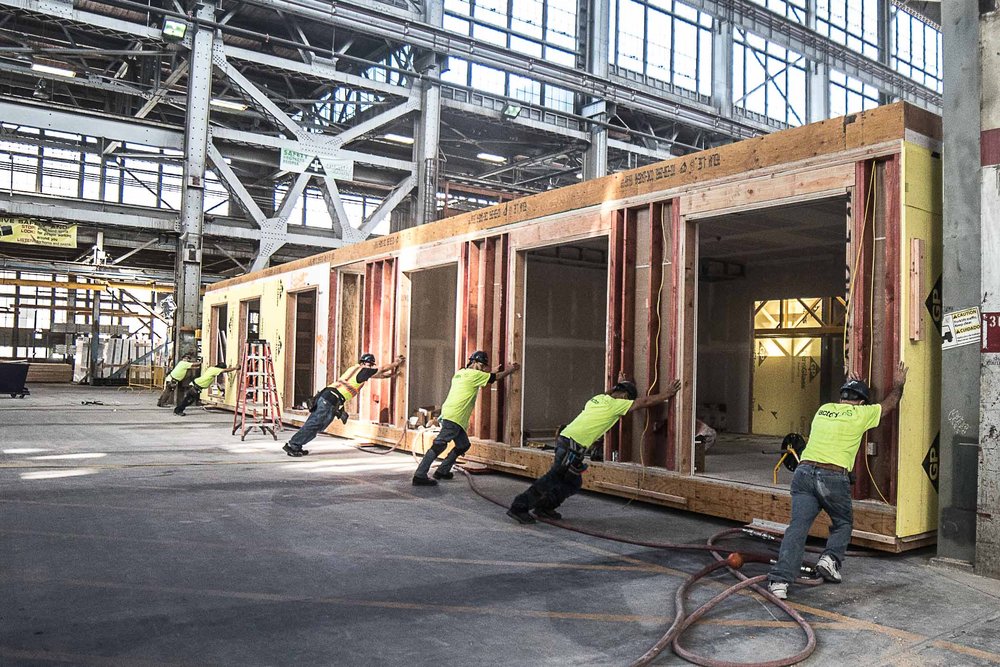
565 333
431 362
220 330
302 306
770 304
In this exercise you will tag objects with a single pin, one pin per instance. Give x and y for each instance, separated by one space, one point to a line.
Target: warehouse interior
280 186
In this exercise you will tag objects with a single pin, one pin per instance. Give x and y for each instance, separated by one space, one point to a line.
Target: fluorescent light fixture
174 29
58 71
489 157
226 104
399 139
510 111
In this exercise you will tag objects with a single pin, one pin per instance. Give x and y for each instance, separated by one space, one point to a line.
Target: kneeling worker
329 403
455 416
821 480
565 477
203 381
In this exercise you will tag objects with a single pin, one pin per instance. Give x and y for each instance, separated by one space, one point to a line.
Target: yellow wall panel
919 418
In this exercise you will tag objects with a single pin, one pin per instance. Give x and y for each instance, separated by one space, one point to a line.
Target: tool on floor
257 402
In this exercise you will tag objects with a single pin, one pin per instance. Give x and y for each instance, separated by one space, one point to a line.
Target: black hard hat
628 388
853 390
796 442
367 358
479 357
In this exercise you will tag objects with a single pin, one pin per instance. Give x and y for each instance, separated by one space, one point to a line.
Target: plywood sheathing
856 131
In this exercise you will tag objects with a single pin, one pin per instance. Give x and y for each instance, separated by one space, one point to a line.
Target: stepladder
257 403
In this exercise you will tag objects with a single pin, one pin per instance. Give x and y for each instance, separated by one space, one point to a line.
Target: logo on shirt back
833 414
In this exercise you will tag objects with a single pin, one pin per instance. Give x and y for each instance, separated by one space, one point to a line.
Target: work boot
545 513
292 450
521 516
179 414
443 475
778 589
423 481
829 569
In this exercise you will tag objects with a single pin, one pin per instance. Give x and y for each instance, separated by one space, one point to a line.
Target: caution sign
932 462
29 232
960 327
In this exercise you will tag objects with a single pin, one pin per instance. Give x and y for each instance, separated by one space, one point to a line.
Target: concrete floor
131 537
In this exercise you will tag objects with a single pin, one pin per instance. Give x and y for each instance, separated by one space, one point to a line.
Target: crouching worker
329 403
455 416
565 477
177 376
821 480
203 381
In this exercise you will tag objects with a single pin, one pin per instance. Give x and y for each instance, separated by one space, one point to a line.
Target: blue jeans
318 420
814 489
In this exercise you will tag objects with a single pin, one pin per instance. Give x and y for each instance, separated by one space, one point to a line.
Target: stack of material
115 357
49 372
426 417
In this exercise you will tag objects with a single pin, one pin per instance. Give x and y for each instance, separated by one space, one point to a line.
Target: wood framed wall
663 205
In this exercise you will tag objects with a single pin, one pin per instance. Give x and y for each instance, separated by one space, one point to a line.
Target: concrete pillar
187 265
988 506
428 130
959 457
597 37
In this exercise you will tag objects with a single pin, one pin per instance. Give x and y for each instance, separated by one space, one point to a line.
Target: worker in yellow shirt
455 415
821 479
178 376
203 381
565 477
329 402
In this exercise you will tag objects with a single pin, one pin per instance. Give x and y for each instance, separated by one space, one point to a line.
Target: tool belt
330 394
573 457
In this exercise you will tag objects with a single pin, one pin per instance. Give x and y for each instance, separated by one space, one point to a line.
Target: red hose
682 620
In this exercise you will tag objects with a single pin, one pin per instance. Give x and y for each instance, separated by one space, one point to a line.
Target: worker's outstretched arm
510 370
891 401
656 399
391 369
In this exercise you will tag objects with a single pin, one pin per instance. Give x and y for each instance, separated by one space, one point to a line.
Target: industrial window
768 80
848 95
663 40
791 9
544 29
916 48
853 23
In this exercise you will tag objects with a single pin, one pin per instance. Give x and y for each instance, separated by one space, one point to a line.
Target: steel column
428 129
191 223
595 159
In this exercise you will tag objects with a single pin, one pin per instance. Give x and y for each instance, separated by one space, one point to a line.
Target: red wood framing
484 317
621 321
654 442
876 214
674 357
331 328
379 336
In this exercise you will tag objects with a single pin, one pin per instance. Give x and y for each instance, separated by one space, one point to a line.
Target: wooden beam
888 452
333 313
654 442
860 249
616 295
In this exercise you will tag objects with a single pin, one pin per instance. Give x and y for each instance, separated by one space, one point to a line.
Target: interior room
564 333
303 309
431 362
771 295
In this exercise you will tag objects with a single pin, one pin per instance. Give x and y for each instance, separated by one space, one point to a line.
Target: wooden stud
616 259
333 314
654 443
859 263
888 453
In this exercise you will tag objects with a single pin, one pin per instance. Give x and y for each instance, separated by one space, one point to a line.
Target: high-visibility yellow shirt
461 399
836 432
206 379
180 371
599 415
350 383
